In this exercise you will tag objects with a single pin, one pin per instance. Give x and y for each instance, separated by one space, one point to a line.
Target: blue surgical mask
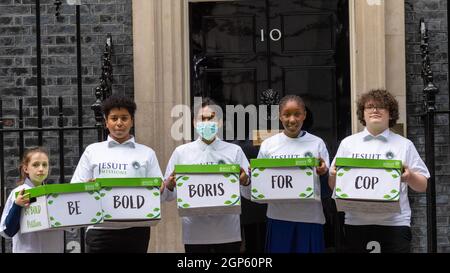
207 129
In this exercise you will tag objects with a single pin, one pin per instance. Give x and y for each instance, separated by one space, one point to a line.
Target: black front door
240 49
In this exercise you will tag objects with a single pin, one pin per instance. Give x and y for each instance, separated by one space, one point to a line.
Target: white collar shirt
110 159
386 145
305 145
209 229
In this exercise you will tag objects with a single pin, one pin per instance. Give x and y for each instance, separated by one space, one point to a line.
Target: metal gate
21 137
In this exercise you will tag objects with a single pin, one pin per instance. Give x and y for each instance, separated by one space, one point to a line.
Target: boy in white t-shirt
378 111
210 233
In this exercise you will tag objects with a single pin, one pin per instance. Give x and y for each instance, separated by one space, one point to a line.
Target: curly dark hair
382 98
118 101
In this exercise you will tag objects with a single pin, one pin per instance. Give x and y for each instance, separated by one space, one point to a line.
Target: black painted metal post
2 172
429 96
79 81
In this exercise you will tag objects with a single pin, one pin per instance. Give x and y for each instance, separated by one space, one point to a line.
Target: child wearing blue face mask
210 233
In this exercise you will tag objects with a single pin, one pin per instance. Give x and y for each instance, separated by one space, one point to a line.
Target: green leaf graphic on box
107 216
234 196
108 189
180 184
261 196
387 196
227 175
338 190
55 195
228 202
389 170
156 193
309 189
395 176
94 220
255 174
150 215
186 205
254 190
262 169
50 202
233 180
156 209
91 192
102 194
302 168
394 191
97 198
57 224
98 214
302 195
179 200
340 174
185 178
344 195
51 218
346 169
308 173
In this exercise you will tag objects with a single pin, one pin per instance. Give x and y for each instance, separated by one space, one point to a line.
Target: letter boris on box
367 185
136 201
61 206
208 189
285 180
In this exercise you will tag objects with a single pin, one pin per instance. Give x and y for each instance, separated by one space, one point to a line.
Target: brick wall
18 69
435 14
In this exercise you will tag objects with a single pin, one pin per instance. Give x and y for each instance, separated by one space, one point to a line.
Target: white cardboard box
62 206
367 185
136 201
208 189
286 180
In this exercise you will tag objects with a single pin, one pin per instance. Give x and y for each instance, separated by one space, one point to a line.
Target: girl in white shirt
210 233
295 227
34 170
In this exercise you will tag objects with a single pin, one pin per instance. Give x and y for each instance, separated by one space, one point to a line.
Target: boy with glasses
378 112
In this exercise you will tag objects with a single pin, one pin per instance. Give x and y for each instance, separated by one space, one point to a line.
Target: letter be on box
284 180
61 206
367 185
208 189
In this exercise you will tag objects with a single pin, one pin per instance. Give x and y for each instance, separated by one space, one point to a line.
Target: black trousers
234 247
373 238
130 240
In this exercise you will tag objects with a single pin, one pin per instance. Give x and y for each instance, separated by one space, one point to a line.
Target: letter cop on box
367 185
292 179
208 189
136 201
61 206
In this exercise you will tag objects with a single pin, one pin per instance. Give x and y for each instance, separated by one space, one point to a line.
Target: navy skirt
294 237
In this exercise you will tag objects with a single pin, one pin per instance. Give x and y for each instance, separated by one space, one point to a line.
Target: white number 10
275 35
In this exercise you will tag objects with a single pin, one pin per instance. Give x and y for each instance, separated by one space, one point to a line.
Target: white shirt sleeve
241 159
167 194
8 205
154 170
84 171
340 152
414 162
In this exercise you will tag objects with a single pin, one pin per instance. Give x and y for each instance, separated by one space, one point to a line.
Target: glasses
372 108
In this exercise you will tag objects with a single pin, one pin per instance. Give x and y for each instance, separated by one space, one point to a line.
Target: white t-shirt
209 229
34 242
110 159
387 145
305 145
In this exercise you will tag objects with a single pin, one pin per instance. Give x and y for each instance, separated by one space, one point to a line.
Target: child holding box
34 170
117 157
295 227
210 233
389 232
